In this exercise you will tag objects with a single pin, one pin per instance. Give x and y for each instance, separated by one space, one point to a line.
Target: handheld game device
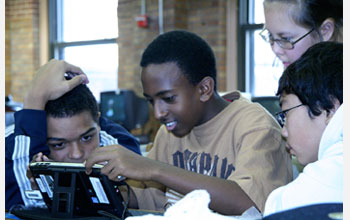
68 191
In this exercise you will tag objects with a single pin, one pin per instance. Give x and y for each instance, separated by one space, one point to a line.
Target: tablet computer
68 191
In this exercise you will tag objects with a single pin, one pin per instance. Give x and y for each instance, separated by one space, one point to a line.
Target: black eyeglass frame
281 116
280 42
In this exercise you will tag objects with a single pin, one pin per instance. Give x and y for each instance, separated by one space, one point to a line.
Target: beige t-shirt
242 143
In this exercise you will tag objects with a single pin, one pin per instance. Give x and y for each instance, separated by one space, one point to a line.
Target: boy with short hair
58 121
233 150
311 97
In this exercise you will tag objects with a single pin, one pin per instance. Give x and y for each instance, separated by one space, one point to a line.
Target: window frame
56 43
245 48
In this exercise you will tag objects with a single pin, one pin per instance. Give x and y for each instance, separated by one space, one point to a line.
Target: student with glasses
311 97
292 26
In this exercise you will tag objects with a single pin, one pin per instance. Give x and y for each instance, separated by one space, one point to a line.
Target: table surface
134 212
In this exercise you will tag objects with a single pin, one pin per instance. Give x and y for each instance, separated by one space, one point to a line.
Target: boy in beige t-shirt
233 150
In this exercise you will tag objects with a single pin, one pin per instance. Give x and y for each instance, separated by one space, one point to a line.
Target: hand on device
121 162
39 157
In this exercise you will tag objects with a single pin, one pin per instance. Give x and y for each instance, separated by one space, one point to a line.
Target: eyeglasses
283 43
281 116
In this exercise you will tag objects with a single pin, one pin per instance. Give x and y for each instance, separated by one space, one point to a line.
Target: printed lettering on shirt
203 163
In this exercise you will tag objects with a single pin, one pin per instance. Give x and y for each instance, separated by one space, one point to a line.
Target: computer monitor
112 106
124 107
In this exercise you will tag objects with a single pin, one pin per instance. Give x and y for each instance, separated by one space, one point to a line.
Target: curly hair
316 78
190 52
72 103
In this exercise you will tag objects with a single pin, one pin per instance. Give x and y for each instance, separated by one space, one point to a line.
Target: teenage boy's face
303 133
72 139
176 102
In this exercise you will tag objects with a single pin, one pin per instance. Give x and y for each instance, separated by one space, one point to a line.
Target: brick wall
206 18
7 51
21 45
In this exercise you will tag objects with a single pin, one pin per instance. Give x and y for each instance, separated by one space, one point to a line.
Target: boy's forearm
227 197
133 203
32 101
131 198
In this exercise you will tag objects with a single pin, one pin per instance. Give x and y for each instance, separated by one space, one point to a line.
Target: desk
134 212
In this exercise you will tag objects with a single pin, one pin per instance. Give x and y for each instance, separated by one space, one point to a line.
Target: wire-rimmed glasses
281 116
283 43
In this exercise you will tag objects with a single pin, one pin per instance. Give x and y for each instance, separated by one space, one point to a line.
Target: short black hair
316 78
74 102
191 54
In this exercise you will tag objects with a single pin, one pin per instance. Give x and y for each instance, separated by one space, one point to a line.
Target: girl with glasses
292 26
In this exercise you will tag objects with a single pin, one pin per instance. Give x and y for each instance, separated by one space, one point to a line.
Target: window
84 33
258 68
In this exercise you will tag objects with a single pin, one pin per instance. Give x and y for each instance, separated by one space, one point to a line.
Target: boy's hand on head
49 83
121 162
